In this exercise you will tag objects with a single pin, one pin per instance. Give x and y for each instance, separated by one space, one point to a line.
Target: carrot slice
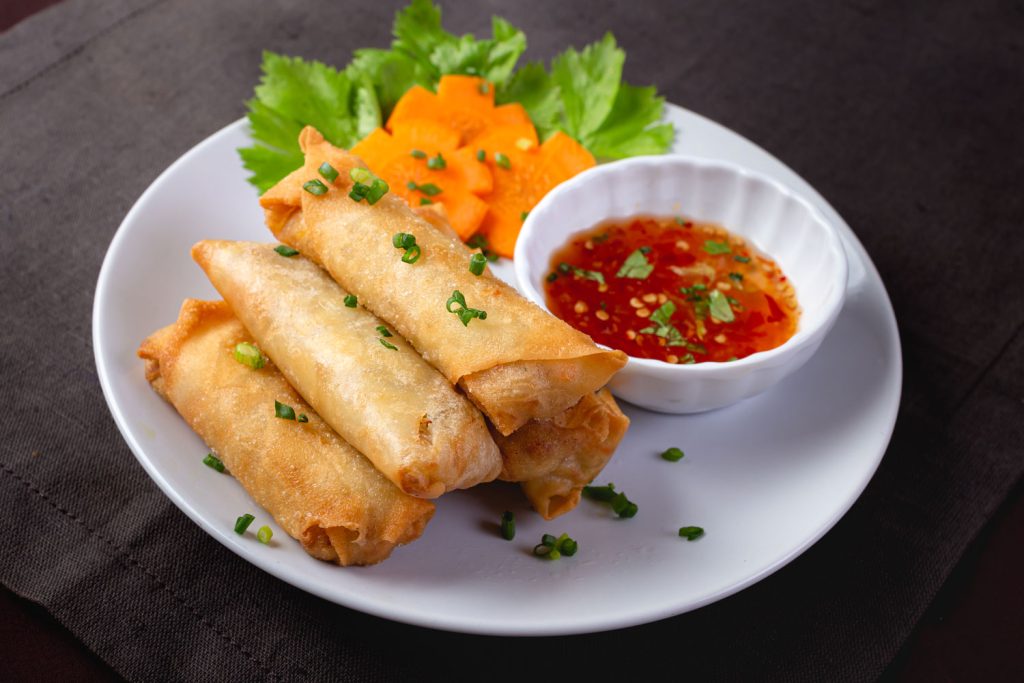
455 180
533 170
464 103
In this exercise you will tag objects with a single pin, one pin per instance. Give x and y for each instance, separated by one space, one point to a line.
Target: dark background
906 116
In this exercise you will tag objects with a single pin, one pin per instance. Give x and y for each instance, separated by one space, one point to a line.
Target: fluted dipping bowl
773 218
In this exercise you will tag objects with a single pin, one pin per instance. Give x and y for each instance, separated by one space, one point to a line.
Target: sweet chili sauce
671 289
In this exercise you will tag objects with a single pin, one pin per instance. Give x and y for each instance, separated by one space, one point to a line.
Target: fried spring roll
555 458
320 490
368 384
519 364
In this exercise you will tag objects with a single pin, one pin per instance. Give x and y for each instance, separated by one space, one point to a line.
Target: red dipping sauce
671 289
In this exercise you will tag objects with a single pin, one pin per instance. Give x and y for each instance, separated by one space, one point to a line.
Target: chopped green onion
437 163
673 454
314 187
412 254
464 313
283 411
418 154
481 155
264 535
351 300
367 186
502 160
621 505
680 221
429 189
713 247
242 523
403 240
213 462
553 548
523 216
384 331
424 201
508 525
688 359
691 533
741 259
477 263
720 308
552 276
736 276
286 251
249 354
329 173
302 418
386 344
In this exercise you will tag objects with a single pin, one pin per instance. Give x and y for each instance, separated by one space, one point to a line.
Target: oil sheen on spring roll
373 389
555 458
318 488
519 364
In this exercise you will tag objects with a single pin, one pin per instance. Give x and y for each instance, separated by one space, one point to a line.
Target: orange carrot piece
459 104
533 170
461 179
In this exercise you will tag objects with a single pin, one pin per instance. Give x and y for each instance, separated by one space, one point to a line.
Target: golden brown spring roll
519 364
320 490
373 389
555 458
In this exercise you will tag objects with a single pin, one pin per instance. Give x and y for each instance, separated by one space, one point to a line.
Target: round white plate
765 478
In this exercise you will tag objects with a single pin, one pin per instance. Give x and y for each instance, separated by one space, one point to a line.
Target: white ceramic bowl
772 217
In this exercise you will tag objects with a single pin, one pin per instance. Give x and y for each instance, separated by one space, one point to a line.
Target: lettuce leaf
582 94
294 93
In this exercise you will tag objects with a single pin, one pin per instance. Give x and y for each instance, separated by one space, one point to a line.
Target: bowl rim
803 337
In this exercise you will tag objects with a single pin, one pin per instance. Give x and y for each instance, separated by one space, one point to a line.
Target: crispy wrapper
317 487
373 389
555 458
519 364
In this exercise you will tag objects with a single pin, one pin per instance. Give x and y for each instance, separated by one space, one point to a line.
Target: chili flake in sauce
671 289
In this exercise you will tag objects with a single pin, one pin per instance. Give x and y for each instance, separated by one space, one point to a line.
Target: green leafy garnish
673 454
583 93
663 327
553 548
738 277
283 411
741 259
264 534
286 251
249 354
386 344
213 462
464 313
622 506
719 307
429 189
242 523
582 273
636 265
508 525
713 247
691 533
351 301
437 163
294 93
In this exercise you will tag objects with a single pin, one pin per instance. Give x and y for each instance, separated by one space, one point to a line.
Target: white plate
766 478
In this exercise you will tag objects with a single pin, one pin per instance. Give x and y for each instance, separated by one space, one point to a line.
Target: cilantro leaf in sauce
719 307
636 266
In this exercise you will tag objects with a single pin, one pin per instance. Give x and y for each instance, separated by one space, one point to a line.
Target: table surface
973 628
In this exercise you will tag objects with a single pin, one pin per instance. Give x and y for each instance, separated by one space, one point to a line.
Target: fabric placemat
904 115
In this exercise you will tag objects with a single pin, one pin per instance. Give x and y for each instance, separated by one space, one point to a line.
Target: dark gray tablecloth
906 116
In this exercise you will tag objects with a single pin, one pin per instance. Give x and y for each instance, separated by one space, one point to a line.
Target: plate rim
468 623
